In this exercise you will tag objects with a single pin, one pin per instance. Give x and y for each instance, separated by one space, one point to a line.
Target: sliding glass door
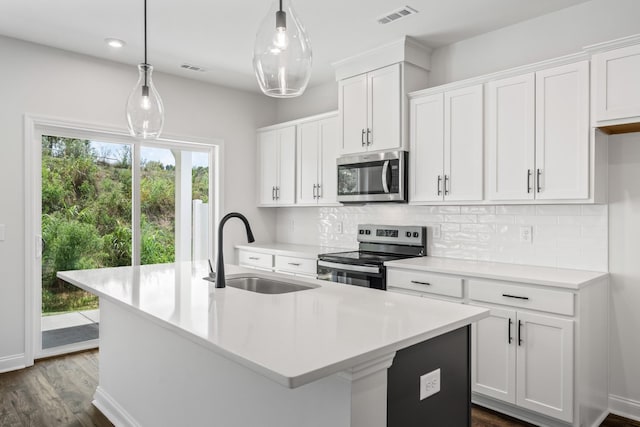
109 202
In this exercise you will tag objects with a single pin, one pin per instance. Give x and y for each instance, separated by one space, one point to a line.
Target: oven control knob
408 234
361 231
415 234
367 232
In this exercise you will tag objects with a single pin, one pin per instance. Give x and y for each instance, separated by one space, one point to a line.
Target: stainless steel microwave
373 177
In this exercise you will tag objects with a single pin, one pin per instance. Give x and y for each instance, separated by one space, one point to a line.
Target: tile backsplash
567 236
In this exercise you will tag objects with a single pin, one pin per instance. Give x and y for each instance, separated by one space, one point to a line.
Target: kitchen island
174 350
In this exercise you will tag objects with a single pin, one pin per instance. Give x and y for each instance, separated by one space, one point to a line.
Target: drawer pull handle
510 337
420 283
519 332
255 258
515 296
295 264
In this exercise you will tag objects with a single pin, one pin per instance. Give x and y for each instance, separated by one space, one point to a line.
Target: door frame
34 127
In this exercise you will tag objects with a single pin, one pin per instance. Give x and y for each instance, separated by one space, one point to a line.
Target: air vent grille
192 68
397 14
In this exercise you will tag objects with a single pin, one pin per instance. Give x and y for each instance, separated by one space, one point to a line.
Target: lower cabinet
292 266
525 359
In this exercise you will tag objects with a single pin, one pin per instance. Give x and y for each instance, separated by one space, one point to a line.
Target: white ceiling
219 36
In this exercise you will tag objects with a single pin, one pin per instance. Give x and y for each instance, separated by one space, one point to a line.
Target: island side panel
151 376
451 406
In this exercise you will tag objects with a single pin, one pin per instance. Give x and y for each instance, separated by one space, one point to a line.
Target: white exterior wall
44 81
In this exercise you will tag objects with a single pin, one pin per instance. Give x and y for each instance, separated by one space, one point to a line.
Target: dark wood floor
58 392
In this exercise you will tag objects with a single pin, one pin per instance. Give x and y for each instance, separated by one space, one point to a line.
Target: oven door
377 177
357 275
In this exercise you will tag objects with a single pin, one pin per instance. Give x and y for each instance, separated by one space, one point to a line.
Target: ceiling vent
397 14
192 68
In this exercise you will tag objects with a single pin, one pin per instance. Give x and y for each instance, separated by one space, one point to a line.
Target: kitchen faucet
220 281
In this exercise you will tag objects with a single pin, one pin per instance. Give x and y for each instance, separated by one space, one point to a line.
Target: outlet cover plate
526 234
429 384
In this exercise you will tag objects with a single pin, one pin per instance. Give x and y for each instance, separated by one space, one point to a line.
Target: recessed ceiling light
114 43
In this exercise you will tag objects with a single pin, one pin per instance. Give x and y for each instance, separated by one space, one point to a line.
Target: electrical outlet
526 234
436 231
429 384
337 227
292 226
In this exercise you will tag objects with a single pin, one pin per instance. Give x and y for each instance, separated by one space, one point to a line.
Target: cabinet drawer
296 265
255 259
521 296
419 281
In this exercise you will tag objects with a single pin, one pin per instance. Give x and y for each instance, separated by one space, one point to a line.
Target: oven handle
385 170
349 267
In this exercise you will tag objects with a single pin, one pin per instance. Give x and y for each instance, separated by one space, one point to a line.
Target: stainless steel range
377 244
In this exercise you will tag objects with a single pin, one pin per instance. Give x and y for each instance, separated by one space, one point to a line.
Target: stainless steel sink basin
263 285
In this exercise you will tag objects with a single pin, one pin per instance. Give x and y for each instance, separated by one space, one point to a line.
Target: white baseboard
12 363
624 407
112 410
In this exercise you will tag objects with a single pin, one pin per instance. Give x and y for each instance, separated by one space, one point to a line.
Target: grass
67 301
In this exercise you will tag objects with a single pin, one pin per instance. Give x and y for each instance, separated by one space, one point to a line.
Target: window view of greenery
86 213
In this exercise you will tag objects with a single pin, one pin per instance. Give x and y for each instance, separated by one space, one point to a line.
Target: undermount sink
263 285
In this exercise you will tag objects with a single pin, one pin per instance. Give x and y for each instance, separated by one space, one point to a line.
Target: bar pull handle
369 141
255 258
315 186
538 175
417 282
510 337
529 173
295 264
362 138
514 296
519 332
446 187
439 185
273 193
319 191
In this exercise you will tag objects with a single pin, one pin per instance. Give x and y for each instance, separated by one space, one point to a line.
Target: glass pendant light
145 113
282 53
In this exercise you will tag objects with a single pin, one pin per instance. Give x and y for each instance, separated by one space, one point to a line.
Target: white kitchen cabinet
277 165
538 135
511 138
446 137
317 151
562 132
493 356
616 86
370 110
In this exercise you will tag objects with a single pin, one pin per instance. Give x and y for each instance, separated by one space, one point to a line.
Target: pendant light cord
280 5
146 72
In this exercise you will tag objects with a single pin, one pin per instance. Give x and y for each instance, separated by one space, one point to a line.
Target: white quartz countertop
547 276
288 249
293 338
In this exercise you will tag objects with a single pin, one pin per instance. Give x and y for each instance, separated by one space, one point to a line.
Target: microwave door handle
385 181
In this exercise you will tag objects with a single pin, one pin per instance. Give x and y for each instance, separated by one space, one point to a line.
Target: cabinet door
511 138
427 148
327 169
353 113
287 166
493 355
308 146
616 84
562 132
463 144
384 108
268 178
544 374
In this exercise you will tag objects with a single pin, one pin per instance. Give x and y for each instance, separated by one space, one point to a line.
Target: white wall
624 265
44 81
556 34
315 100
569 236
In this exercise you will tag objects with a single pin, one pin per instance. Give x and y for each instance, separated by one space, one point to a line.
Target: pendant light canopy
282 53
145 112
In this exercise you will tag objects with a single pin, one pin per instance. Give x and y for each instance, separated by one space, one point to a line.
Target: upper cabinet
616 89
538 137
317 151
370 110
372 95
446 137
277 166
